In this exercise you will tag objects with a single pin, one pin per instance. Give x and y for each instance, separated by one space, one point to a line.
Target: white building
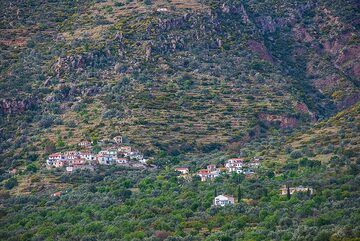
121 161
111 152
232 165
293 190
125 149
53 158
118 139
85 144
87 156
143 160
105 159
182 170
223 200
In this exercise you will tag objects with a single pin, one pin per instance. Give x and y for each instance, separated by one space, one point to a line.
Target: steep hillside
188 83
169 75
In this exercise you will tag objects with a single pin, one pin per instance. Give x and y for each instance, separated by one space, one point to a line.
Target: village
233 165
113 152
225 200
239 166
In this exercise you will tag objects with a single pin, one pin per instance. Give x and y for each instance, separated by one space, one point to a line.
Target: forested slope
188 83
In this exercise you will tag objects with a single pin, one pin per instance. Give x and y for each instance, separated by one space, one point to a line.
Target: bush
11 183
31 168
296 154
46 122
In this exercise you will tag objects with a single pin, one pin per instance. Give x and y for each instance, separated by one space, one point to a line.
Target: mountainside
187 83
173 76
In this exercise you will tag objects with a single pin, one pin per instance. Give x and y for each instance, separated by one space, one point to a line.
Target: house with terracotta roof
125 149
234 164
54 157
206 174
203 174
12 171
77 161
223 200
59 163
56 194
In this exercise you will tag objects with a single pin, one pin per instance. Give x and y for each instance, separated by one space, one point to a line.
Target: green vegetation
189 83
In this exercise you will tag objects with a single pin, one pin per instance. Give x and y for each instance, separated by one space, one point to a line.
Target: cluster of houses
117 154
224 200
239 166
236 165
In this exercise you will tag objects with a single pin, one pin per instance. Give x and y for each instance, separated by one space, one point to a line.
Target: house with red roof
234 164
206 174
59 163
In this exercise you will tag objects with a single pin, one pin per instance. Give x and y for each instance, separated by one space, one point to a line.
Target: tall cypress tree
239 194
288 191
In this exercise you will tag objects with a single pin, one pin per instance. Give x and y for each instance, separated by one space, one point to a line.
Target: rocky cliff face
14 106
283 121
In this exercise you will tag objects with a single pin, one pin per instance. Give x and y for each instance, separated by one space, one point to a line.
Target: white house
87 156
211 167
232 165
206 174
223 200
182 170
203 174
135 155
118 139
162 10
105 159
121 161
125 149
85 144
143 160
283 190
59 163
71 155
111 152
55 156
77 161
246 171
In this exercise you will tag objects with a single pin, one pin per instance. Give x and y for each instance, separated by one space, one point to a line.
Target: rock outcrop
261 50
15 106
283 121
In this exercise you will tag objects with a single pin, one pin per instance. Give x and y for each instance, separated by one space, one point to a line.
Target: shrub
296 154
46 122
11 183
